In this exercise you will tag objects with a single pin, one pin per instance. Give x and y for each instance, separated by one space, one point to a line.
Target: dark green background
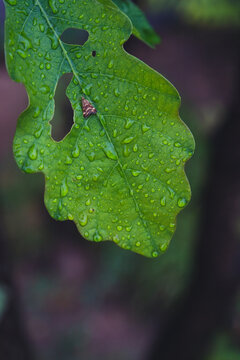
64 298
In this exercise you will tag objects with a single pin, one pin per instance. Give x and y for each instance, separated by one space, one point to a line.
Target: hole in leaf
94 53
62 121
74 36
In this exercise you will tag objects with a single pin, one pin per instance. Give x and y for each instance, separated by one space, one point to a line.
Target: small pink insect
87 108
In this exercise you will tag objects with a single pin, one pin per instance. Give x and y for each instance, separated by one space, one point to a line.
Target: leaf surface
119 174
141 27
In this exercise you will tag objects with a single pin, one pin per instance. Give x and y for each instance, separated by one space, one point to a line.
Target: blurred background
64 298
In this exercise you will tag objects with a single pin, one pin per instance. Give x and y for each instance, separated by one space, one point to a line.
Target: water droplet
110 151
138 243
70 216
128 140
64 188
163 247
145 128
37 111
182 202
128 123
136 173
33 152
68 160
52 5
163 201
24 40
102 132
22 53
116 92
126 151
41 27
41 166
110 64
135 148
83 220
96 177
119 228
76 151
90 155
44 89
97 237
38 132
154 254
169 170
87 89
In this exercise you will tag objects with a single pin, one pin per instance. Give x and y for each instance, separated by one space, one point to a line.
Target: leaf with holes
119 173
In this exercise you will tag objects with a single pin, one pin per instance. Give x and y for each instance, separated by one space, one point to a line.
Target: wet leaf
119 173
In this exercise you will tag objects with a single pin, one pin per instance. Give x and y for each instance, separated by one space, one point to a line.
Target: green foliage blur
212 12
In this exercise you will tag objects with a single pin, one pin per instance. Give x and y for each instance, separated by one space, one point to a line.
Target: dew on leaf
68 160
136 173
42 57
145 128
128 140
41 27
135 148
110 152
21 53
38 132
44 89
64 188
163 201
52 4
97 237
41 166
129 123
76 151
126 151
24 40
110 64
163 247
91 155
83 220
182 202
33 152
116 92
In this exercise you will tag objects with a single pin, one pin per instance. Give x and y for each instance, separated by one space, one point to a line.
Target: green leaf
141 27
119 174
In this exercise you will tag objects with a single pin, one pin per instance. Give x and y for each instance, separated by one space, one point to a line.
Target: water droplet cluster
119 173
